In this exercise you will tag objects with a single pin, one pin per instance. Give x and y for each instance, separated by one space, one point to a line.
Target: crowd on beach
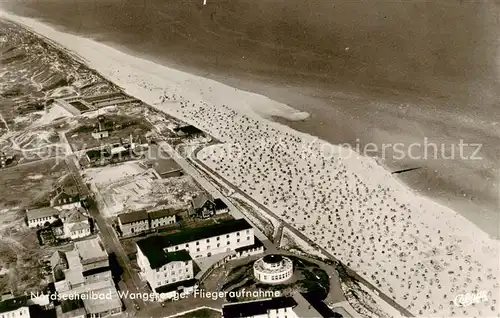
411 248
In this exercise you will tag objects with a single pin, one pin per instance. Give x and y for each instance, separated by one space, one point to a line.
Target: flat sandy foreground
421 254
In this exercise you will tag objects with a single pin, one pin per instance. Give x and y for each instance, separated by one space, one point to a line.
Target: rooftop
135 216
13 304
90 249
104 304
64 198
158 214
157 257
40 213
255 308
194 234
57 258
272 259
200 200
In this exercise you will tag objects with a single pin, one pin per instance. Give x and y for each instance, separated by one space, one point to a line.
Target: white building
88 271
295 306
162 217
165 260
42 216
273 269
160 268
215 239
75 224
14 307
280 307
133 223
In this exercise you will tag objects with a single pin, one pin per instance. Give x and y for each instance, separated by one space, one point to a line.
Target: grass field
31 184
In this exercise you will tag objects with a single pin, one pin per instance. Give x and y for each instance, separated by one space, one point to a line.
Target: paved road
130 278
350 272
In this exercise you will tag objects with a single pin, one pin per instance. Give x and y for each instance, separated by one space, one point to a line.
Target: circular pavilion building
273 269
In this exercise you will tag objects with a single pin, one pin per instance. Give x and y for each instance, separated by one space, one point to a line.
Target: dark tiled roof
219 204
273 259
152 247
153 215
175 286
135 216
190 235
157 257
200 200
13 303
255 308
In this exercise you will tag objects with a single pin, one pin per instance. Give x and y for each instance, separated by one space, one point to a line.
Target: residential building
97 307
42 216
65 201
136 222
14 307
133 222
168 259
202 206
162 217
220 206
160 268
88 271
75 224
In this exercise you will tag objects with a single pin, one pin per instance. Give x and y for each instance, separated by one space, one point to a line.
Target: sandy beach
380 73
420 252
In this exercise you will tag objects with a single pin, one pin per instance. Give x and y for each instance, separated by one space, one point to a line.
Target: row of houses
166 262
136 222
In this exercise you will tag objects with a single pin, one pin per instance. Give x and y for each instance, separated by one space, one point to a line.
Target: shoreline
469 188
253 113
147 81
